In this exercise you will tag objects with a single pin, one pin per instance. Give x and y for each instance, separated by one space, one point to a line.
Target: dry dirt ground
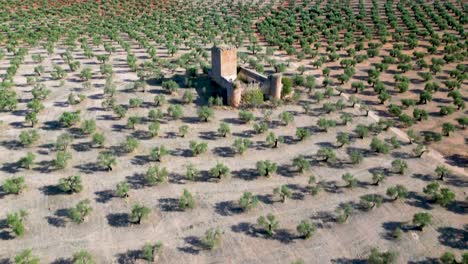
109 237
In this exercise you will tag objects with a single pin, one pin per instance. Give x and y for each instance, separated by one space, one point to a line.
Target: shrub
71 184
122 189
15 221
107 160
379 146
158 153
302 133
241 145
224 129
63 141
78 213
183 130
139 212
268 223
98 139
397 191
28 137
272 140
246 116
155 114
260 127
350 180
83 257
219 170
399 166
132 121
282 192
68 119
344 212
301 163
186 200
248 201
88 126
212 238
175 111
26 257
153 129
191 172
327 154
324 124
266 168
306 229
205 113
287 86
376 257
27 161
130 144
61 159
253 97
370 201
421 220
150 251
14 185
156 175
120 111
198 148
356 156
286 117
188 97
171 86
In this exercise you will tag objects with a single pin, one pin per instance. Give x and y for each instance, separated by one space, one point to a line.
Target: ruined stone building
236 80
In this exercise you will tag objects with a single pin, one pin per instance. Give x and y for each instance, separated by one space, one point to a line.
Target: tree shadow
129 257
181 152
426 260
140 160
82 147
454 237
266 198
118 219
194 245
51 190
227 208
89 168
286 170
208 135
348 261
246 174
52 125
11 144
423 177
169 205
224 152
136 181
323 219
59 218
390 228
11 167
104 196
44 166
284 236
246 228
5 261
416 200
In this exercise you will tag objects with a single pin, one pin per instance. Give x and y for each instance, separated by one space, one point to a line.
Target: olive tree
248 201
79 213
269 223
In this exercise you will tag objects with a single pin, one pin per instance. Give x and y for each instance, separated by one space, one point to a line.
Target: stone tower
224 62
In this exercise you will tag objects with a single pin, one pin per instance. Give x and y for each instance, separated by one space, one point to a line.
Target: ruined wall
224 62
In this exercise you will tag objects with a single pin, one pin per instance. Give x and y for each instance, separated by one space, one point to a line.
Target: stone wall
224 62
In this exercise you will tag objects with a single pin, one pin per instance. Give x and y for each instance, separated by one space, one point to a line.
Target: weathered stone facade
224 72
